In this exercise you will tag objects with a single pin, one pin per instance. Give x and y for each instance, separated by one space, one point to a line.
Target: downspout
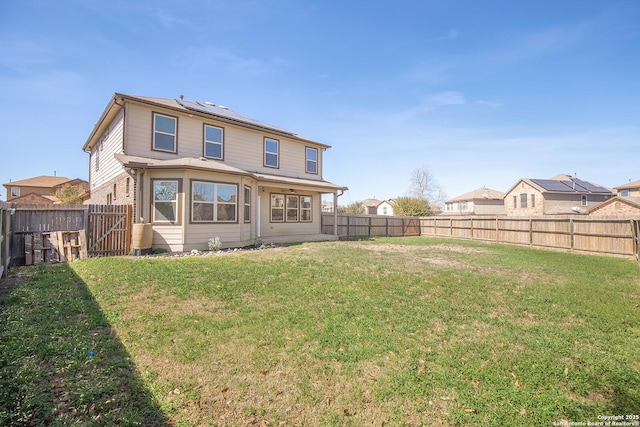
335 209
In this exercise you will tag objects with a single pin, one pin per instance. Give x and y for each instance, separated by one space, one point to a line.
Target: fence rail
589 235
353 226
46 233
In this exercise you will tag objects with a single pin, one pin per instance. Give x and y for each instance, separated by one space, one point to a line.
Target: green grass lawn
391 331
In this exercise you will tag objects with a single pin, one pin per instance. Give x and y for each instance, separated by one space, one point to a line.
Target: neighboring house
626 203
630 189
378 207
617 206
40 189
560 195
195 171
482 201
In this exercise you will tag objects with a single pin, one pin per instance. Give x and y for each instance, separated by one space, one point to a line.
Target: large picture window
213 142
165 201
291 208
271 152
213 202
164 132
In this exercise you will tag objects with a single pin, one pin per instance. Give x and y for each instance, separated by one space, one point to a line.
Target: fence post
530 232
571 225
497 229
472 229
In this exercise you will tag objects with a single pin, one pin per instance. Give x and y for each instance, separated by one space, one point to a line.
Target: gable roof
633 202
39 181
628 186
563 184
479 193
203 109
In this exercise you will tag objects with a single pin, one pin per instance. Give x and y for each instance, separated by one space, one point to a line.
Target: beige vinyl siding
197 235
243 148
110 145
168 237
271 229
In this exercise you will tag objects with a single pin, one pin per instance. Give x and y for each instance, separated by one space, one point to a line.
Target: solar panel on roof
591 187
553 185
577 185
223 112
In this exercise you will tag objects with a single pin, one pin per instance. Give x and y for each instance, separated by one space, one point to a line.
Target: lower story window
290 208
165 200
213 202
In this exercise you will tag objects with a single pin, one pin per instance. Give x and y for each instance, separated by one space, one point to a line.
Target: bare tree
425 186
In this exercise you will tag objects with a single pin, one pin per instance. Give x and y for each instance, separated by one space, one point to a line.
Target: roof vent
210 103
224 107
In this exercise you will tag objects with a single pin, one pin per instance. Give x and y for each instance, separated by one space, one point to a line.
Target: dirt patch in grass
17 277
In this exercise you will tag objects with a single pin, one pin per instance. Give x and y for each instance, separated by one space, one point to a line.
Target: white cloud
446 98
217 58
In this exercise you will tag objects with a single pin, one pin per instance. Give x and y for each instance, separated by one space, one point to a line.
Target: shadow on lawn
61 363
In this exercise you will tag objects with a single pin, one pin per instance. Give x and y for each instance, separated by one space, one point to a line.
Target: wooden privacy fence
353 226
590 235
49 233
5 218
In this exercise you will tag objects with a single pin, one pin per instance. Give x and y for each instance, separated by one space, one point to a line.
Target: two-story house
195 171
625 204
560 195
378 207
481 201
41 189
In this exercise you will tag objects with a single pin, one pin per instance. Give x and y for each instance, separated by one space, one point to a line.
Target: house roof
39 181
630 201
564 184
204 109
217 166
628 186
371 202
479 193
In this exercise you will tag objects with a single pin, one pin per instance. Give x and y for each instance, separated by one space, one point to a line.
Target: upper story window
515 202
523 200
624 193
165 200
312 160
583 200
164 132
462 205
533 200
213 142
15 192
271 152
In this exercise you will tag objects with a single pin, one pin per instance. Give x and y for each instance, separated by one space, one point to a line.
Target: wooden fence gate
109 230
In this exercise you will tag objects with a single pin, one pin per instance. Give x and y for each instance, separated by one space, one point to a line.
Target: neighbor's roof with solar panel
574 185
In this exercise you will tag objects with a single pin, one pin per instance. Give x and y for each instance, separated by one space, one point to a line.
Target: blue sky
478 92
